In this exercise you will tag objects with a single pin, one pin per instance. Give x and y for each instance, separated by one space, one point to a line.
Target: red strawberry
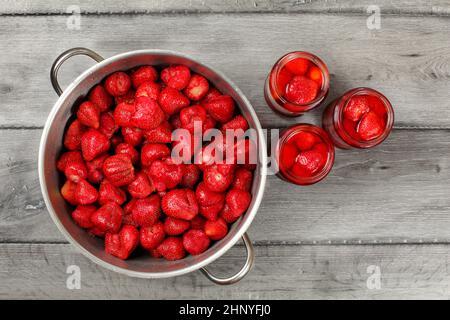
172 100
118 84
165 174
93 144
301 90
123 113
191 174
198 222
161 134
141 187
151 237
119 170
377 106
127 213
132 136
68 157
172 249
107 124
148 114
143 74
315 74
122 244
76 170
245 152
108 218
146 211
190 115
228 215
94 169
238 201
307 162
68 192
148 89
176 76
284 76
184 145
154 253
126 148
82 216
237 123
211 212
216 230
85 193
175 227
180 204
195 242
350 128
109 193
197 87
305 140
212 93
72 138
323 150
100 98
298 66
128 97
221 108
89 114
356 107
153 151
243 179
218 177
206 197
370 126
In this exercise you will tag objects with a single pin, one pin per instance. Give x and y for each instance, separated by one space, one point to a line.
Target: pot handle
63 57
244 270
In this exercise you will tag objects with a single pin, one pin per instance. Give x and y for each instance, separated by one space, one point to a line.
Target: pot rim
262 170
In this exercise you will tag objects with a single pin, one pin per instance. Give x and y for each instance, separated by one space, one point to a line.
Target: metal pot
51 144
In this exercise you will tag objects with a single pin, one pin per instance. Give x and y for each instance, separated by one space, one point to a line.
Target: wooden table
381 214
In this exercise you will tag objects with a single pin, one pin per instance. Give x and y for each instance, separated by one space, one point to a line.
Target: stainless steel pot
51 144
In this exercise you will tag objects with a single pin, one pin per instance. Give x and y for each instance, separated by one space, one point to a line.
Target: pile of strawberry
122 179
365 117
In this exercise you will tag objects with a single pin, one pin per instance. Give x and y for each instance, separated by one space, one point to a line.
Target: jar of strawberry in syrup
298 82
305 154
361 118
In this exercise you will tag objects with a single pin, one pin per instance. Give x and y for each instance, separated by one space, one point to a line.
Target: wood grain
394 59
397 192
35 271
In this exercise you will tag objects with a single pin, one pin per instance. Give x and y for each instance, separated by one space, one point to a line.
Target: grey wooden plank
38 271
397 192
194 6
408 64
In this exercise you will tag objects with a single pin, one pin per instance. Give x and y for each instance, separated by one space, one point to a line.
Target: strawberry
160 134
132 136
301 90
93 144
72 138
172 249
210 203
68 157
212 93
82 215
198 222
85 193
305 140
165 174
238 124
220 108
197 87
172 100
175 227
191 174
216 230
214 152
151 237
283 78
377 106
356 107
141 187
143 74
350 128
243 179
153 151
370 127
184 145
109 193
127 213
228 215
245 152
119 170
190 115
122 244
218 177
126 148
100 98
107 124
154 253
307 163
117 84
89 114
211 212
314 73
180 204
108 218
76 170
298 66
195 242
128 97
148 114
323 150
176 76
123 113
68 192
148 89
238 201
146 211
94 169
